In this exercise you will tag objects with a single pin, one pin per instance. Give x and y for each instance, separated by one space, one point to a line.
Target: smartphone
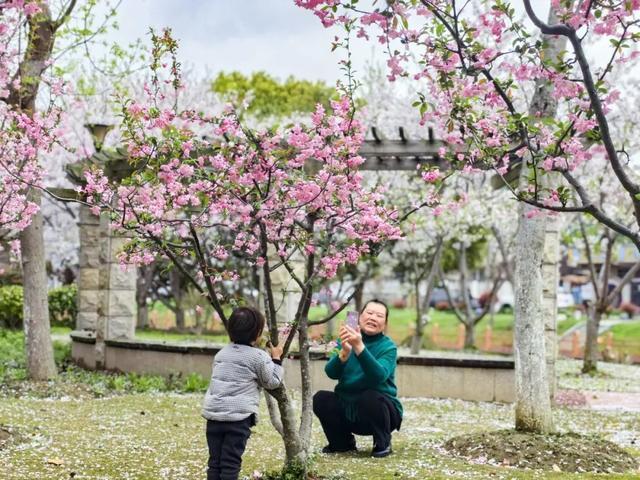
352 320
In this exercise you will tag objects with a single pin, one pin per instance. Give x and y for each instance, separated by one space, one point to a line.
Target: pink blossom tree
480 61
27 133
206 187
482 64
33 35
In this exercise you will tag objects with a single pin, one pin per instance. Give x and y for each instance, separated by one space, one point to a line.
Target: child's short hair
245 325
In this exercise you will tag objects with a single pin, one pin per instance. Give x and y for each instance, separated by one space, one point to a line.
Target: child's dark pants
227 441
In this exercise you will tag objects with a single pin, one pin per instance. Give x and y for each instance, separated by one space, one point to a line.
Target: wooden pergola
400 154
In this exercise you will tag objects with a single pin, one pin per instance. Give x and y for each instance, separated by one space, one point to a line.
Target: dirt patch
8 436
567 452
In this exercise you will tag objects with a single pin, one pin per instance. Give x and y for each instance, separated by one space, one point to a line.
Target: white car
565 299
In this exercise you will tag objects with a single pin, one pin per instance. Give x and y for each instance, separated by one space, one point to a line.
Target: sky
245 35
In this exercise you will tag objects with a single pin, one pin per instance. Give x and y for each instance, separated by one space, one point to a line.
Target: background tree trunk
358 297
469 336
591 353
177 291
306 417
142 315
469 317
143 282
416 341
37 331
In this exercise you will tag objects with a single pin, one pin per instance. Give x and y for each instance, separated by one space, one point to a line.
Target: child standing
231 402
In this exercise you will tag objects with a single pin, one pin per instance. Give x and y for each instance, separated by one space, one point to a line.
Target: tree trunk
533 403
331 329
22 96
200 322
287 420
469 324
143 282
358 297
177 291
37 331
422 306
603 299
590 363
180 325
469 336
416 341
274 414
533 406
306 417
142 316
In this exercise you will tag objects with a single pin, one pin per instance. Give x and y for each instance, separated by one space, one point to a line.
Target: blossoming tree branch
481 62
24 133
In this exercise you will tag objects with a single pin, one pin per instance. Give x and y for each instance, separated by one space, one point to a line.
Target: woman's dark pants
227 441
377 416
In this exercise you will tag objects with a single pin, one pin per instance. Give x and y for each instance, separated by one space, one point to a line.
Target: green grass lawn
161 436
402 325
99 426
402 322
628 330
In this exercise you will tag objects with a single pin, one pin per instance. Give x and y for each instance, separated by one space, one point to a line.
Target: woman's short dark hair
245 325
379 302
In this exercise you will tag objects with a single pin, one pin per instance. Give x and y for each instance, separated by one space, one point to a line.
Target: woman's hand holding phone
352 320
350 333
345 349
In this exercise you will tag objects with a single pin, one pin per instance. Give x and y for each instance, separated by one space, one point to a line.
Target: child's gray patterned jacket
238 373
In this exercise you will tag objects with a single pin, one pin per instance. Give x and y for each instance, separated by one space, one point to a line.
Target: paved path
60 337
628 402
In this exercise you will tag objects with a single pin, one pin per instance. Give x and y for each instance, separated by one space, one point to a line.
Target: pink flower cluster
292 194
23 136
477 62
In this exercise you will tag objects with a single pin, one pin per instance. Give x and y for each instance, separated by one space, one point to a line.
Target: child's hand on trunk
276 352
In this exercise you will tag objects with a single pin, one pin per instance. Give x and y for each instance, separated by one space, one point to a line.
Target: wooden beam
398 148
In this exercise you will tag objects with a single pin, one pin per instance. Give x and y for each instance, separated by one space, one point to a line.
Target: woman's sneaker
380 452
331 449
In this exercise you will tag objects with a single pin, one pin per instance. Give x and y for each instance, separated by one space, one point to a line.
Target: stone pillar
286 291
106 293
550 265
118 288
88 277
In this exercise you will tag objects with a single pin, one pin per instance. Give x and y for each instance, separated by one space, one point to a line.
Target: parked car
440 301
565 299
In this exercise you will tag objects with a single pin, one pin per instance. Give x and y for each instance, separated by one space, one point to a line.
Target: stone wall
473 379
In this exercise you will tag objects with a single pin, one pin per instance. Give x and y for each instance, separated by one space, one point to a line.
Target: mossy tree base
568 452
